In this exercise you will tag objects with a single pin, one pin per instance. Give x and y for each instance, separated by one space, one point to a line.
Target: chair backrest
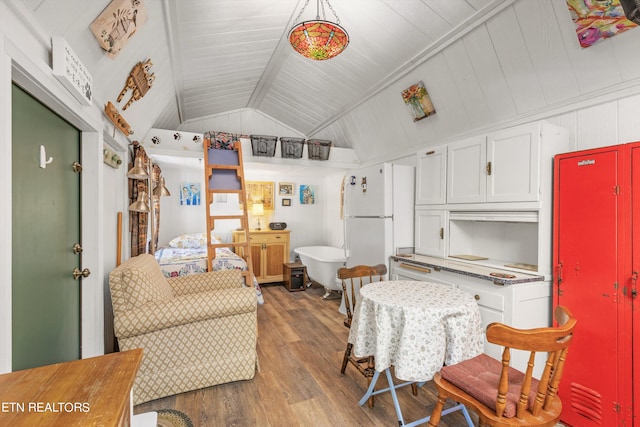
554 341
353 279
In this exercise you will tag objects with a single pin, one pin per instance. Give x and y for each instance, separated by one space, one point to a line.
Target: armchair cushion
479 377
205 282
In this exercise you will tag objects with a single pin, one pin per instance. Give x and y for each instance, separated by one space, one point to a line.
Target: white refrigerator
378 213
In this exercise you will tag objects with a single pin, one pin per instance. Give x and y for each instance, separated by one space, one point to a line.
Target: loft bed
187 254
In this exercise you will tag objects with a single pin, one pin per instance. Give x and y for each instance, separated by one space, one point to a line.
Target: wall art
418 101
597 20
190 194
117 23
286 202
260 192
307 195
286 188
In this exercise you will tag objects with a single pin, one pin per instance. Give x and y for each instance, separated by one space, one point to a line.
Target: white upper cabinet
431 176
502 166
513 164
466 175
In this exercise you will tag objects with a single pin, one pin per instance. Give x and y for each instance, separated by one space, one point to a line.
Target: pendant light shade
318 39
161 189
138 171
141 204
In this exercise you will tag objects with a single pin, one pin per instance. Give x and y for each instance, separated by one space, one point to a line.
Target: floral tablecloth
416 327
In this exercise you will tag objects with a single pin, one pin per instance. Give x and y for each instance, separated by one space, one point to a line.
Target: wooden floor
300 347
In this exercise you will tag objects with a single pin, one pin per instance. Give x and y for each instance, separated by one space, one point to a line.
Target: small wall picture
286 202
286 188
418 101
190 194
307 195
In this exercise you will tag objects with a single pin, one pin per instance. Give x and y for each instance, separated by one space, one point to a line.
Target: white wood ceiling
484 62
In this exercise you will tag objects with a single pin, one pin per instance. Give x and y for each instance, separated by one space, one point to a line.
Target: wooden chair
502 395
352 280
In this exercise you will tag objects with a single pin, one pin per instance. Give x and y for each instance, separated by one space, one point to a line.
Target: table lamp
258 210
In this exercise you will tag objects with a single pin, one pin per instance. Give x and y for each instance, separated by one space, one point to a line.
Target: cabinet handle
414 267
428 153
477 297
488 168
441 233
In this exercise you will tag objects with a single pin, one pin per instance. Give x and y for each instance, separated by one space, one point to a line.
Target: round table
416 327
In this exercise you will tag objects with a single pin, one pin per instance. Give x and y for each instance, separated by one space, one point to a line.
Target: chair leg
370 371
345 360
414 389
437 411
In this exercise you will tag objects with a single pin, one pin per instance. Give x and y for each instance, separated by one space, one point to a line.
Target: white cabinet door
431 176
430 232
513 172
466 174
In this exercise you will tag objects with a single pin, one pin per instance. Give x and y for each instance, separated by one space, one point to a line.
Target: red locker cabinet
596 221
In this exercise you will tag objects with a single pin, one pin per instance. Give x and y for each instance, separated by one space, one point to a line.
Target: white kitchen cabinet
502 166
430 231
431 177
466 176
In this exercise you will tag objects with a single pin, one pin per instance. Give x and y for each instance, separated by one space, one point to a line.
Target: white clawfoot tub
322 264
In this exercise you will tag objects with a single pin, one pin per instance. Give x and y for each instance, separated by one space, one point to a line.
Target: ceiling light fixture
318 39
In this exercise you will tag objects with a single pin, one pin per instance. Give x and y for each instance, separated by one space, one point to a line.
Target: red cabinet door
588 226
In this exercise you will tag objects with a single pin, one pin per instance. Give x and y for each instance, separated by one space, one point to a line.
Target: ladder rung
223 191
227 167
216 217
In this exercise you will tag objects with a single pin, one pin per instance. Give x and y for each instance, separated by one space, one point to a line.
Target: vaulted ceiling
483 61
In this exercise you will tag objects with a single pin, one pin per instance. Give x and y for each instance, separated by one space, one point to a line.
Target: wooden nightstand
295 276
269 250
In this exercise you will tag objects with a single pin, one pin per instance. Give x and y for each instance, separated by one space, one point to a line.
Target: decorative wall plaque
117 23
71 72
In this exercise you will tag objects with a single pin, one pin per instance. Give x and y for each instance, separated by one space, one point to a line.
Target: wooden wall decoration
116 118
117 23
140 80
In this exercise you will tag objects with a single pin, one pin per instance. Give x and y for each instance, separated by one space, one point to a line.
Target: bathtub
322 264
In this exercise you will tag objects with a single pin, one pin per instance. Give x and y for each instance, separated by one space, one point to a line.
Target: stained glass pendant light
318 39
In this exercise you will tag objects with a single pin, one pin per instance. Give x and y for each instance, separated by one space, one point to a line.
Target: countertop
468 268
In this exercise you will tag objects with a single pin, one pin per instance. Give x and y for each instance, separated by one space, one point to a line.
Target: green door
46 226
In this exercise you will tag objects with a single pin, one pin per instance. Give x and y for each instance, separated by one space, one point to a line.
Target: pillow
191 241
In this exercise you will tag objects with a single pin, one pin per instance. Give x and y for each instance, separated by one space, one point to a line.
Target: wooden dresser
269 252
86 392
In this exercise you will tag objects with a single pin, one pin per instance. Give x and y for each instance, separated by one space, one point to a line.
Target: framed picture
418 101
286 188
190 194
286 202
260 192
307 195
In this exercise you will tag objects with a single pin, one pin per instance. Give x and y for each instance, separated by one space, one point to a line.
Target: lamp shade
257 209
138 171
318 39
141 204
161 189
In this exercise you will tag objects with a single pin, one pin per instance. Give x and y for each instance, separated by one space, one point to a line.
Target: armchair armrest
205 282
185 309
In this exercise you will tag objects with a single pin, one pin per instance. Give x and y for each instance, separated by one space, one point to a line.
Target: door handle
77 249
77 273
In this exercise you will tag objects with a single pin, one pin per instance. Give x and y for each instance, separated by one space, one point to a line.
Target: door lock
77 273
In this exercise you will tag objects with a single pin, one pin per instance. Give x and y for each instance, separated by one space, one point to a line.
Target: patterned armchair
196 331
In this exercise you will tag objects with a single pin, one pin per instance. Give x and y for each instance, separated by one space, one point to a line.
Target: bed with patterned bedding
181 261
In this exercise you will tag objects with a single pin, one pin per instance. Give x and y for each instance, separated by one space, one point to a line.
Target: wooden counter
86 392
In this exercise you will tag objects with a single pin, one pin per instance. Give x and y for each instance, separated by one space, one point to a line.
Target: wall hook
43 158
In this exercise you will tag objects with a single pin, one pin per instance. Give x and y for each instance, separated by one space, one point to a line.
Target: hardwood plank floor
300 348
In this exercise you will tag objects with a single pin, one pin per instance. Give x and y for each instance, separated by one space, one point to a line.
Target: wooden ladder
224 174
